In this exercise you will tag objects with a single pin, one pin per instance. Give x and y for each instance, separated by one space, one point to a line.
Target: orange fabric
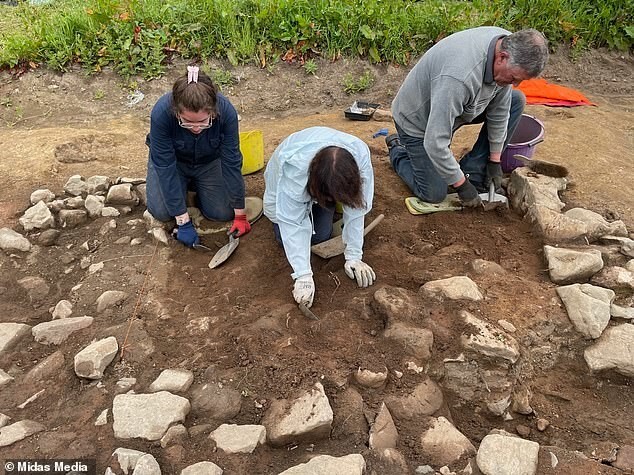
540 91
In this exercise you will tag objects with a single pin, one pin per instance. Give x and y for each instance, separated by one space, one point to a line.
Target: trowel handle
491 191
373 224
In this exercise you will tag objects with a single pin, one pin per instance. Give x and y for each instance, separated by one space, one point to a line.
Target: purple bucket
529 132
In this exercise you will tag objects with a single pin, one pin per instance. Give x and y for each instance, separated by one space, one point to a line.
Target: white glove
361 271
304 290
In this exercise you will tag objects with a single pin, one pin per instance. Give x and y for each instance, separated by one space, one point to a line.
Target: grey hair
527 49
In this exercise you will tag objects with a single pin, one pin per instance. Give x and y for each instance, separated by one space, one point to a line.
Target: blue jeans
412 164
206 180
322 224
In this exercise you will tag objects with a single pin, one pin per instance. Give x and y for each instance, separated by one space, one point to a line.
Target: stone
622 312
124 385
528 190
625 458
110 212
522 400
453 288
147 416
121 195
234 439
96 267
109 299
102 418
394 304
588 307
147 465
424 470
19 430
45 369
507 326
57 331
152 222
616 278
307 417
142 194
123 240
217 403
416 342
424 400
63 309
370 379
73 203
488 340
504 455
523 430
630 265
37 216
91 362
94 205
482 267
160 235
127 458
556 227
12 333
48 237
36 288
383 433
567 266
542 424
76 186
136 241
172 380
97 184
44 195
499 406
353 464
4 420
443 444
627 248
597 225
12 241
613 350
5 378
202 468
55 206
176 434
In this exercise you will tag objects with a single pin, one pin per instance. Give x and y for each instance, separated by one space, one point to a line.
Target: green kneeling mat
417 206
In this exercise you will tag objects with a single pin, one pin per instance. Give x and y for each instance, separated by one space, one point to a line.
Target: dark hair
527 49
334 176
195 96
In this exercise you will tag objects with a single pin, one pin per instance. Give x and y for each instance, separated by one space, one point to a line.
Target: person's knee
432 195
518 100
217 213
321 235
159 213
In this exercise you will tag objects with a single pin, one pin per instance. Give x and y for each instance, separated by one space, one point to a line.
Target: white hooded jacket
288 203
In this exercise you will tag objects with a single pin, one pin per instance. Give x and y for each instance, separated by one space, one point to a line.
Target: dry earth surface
237 324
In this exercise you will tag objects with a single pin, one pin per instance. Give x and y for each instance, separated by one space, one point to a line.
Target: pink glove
241 225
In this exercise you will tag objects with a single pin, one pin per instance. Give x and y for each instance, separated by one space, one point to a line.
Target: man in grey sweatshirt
465 78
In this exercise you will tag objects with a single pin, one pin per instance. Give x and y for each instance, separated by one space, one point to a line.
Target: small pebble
523 430
542 425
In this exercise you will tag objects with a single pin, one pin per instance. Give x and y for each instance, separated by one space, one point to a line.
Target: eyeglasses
203 124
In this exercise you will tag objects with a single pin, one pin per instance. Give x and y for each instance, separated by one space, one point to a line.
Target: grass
141 36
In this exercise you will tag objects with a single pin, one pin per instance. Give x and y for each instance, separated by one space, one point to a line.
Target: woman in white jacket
307 175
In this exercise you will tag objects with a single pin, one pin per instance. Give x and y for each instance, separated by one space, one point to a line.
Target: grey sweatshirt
449 87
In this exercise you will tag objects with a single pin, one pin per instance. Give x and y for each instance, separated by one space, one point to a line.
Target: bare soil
238 324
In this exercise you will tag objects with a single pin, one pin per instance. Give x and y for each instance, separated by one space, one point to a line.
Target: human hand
494 174
468 195
240 224
360 271
304 290
187 234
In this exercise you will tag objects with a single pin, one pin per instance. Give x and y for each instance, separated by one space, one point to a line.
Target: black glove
468 195
494 174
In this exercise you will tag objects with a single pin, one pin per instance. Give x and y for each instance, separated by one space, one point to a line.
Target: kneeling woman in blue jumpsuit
194 144
307 175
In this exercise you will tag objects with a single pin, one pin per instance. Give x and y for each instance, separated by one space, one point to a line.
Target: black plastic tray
368 111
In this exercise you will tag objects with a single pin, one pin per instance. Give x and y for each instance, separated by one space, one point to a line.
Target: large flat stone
92 361
383 434
232 438
12 241
588 307
19 430
202 468
443 444
416 342
567 266
454 288
11 333
489 340
424 400
56 331
614 350
353 464
505 455
147 416
308 417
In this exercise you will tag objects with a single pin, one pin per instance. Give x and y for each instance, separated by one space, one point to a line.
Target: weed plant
141 36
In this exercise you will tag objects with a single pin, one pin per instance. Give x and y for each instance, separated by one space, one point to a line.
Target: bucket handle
535 142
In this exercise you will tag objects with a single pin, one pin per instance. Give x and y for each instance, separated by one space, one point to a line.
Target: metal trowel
493 200
225 251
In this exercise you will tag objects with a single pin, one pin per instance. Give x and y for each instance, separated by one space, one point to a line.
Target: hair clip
192 74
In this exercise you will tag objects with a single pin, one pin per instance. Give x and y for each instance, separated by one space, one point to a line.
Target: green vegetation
352 85
140 36
310 66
